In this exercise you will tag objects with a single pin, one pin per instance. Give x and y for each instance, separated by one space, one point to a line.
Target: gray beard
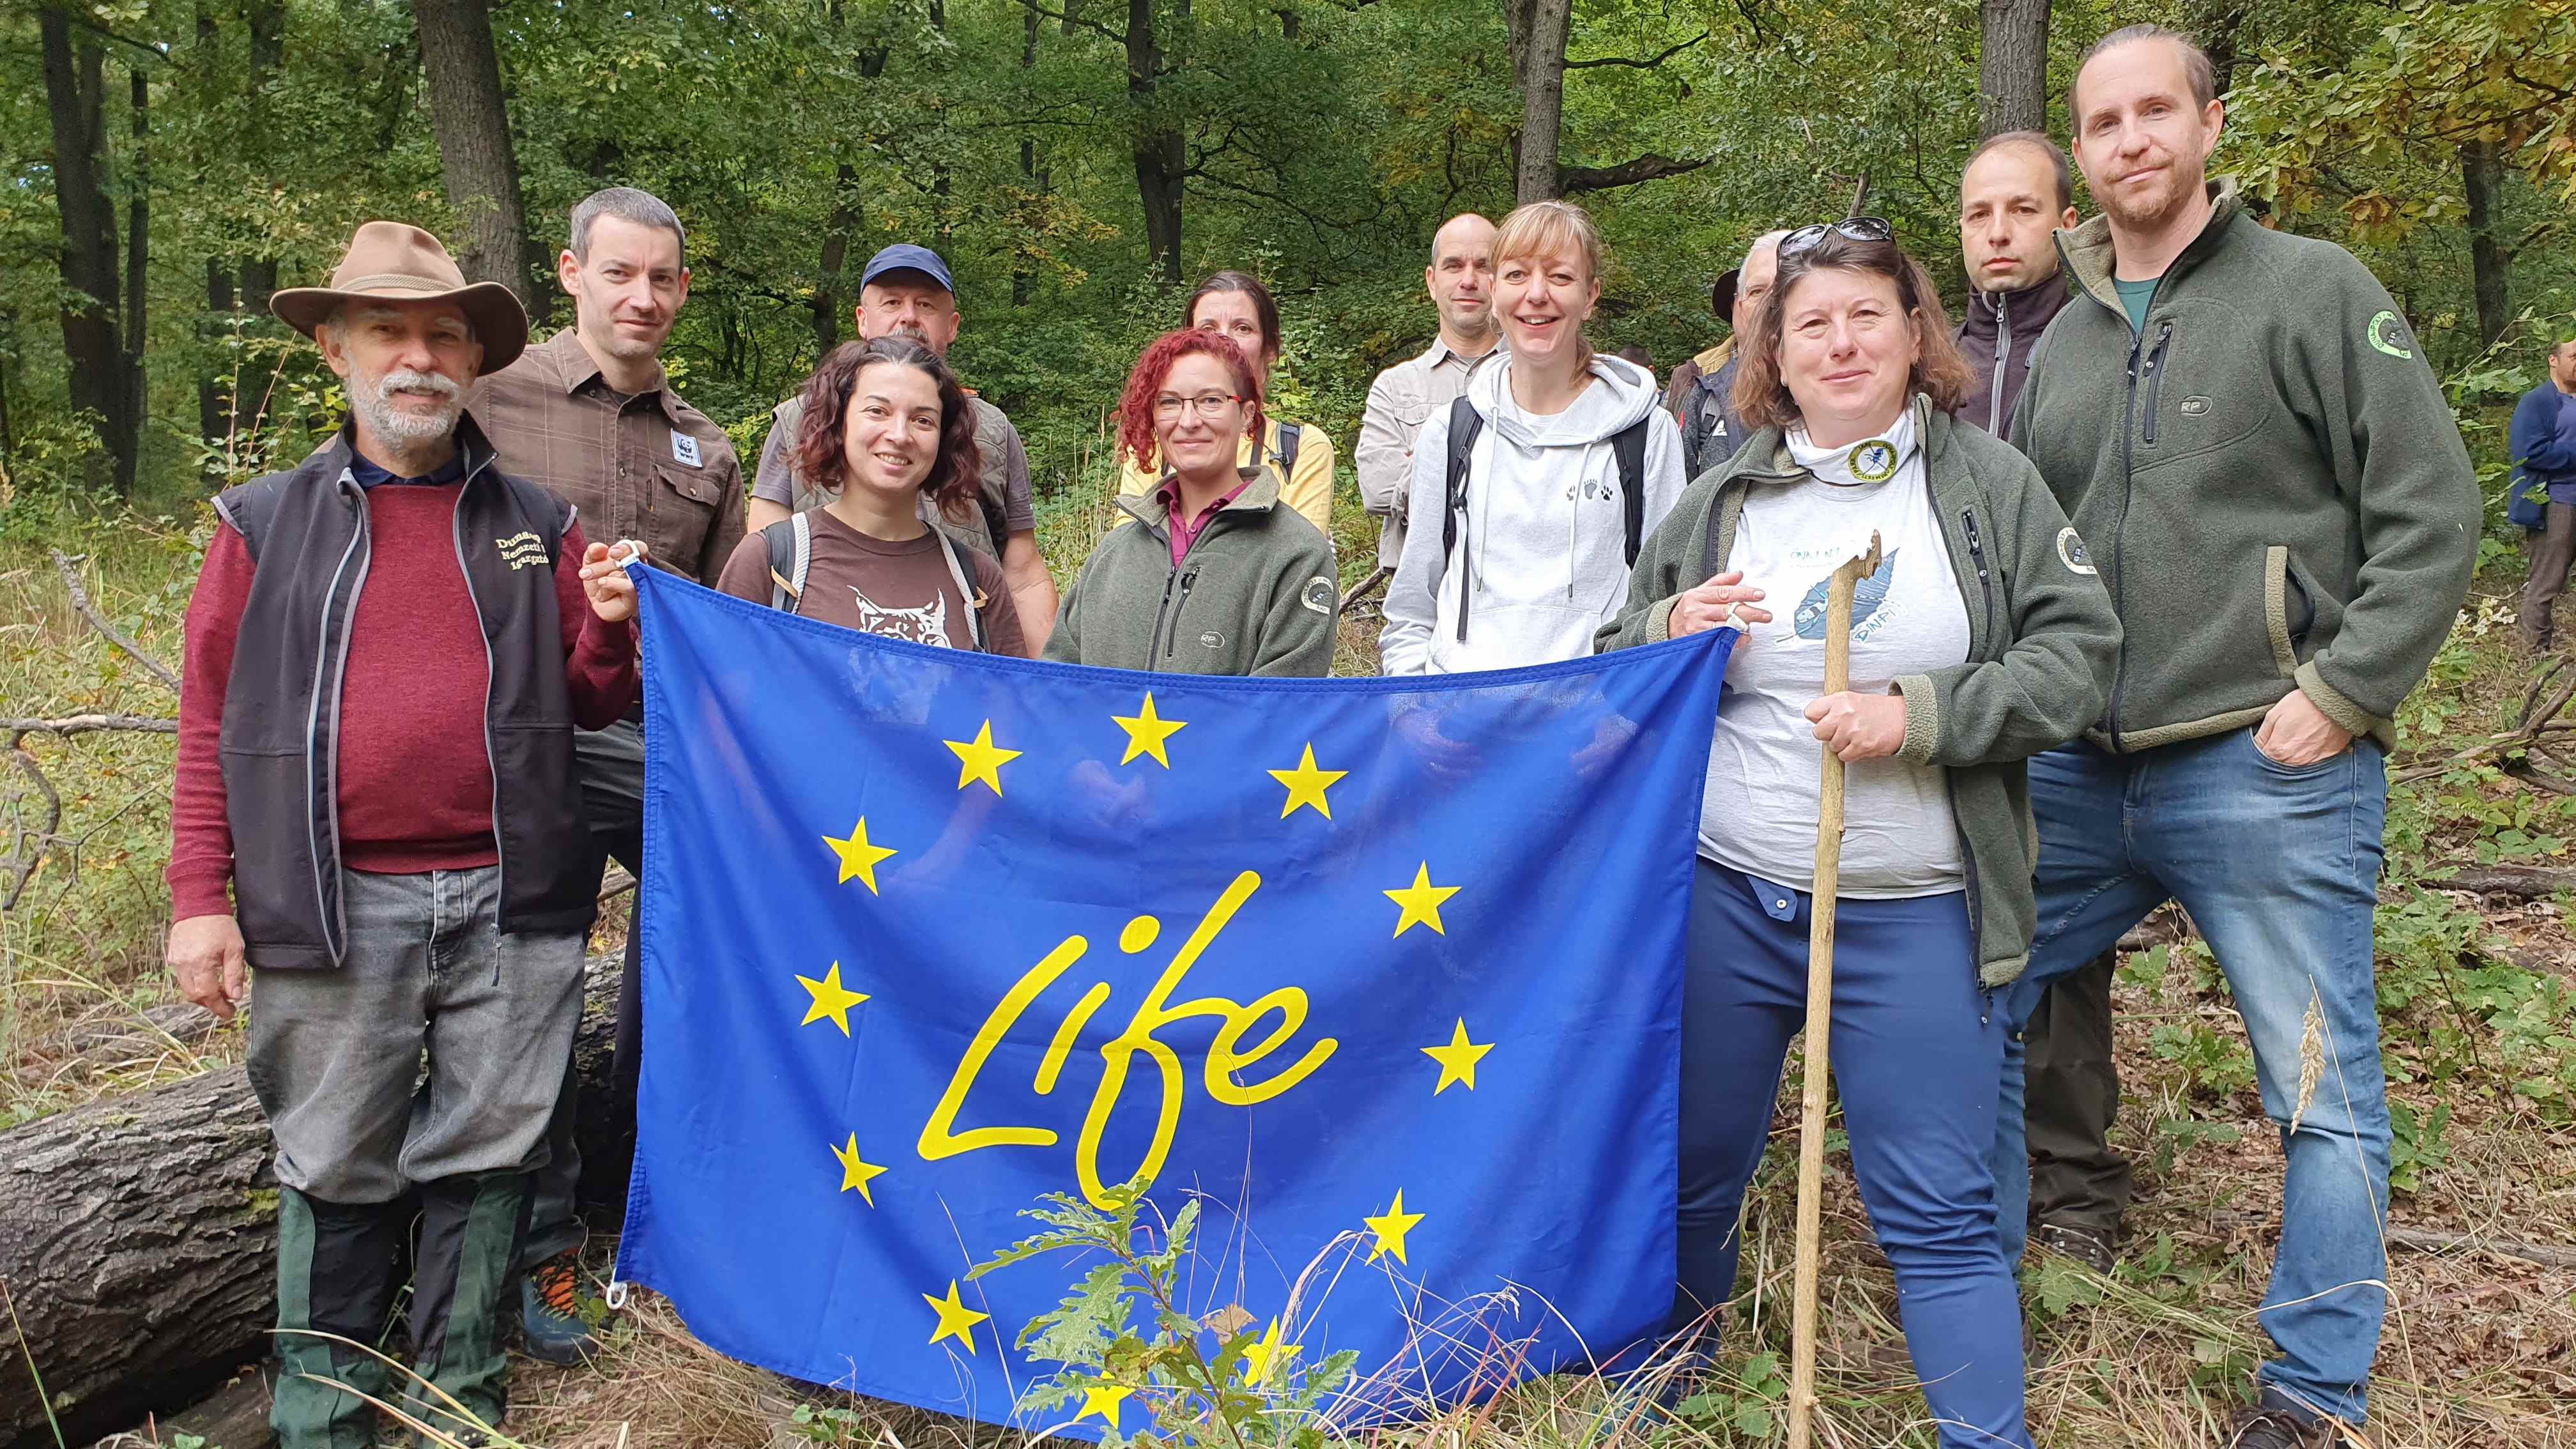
368 398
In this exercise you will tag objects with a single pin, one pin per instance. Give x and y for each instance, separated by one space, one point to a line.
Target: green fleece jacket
2269 475
2041 636
1254 595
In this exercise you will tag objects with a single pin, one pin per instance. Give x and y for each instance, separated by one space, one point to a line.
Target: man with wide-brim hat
388 649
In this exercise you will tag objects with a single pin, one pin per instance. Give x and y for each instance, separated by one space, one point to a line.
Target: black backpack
1628 446
791 552
1286 457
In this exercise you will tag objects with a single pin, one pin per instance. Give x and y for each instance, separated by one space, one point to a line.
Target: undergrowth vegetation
2478 998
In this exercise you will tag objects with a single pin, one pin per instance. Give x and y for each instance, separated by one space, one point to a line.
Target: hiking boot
550 1312
2280 1428
2087 1246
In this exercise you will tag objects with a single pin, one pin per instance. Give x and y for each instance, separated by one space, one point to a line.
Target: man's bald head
1461 279
1753 279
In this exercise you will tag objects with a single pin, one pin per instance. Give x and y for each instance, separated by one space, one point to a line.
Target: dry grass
2480 1349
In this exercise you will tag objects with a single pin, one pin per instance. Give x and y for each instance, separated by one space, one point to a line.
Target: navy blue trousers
1917 1053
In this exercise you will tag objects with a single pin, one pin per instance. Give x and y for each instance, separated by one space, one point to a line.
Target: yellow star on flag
1306 785
1146 732
1261 1358
1421 901
1457 1061
1102 1398
830 999
856 1171
955 1318
981 759
1390 1227
859 858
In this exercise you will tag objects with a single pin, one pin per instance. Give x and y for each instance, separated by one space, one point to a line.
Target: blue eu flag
1384 974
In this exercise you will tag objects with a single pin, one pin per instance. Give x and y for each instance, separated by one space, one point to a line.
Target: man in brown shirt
590 415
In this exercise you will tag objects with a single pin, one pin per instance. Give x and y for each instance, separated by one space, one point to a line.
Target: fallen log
138 1239
2527 881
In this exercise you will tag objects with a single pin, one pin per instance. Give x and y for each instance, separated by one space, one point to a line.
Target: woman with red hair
1218 577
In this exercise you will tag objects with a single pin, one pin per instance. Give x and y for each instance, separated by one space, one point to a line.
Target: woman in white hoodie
1568 463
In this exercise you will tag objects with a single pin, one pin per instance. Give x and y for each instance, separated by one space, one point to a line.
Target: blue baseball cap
905 257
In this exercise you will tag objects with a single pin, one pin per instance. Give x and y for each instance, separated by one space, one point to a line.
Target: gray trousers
2553 550
611 762
433 1052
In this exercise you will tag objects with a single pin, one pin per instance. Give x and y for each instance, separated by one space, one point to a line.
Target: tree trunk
1023 282
826 303
138 1237
93 351
2490 265
473 126
2012 67
214 397
1538 34
1159 156
138 249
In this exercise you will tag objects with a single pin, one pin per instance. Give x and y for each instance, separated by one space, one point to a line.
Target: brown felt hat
400 263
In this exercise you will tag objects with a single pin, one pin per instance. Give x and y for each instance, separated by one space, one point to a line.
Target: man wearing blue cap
906 290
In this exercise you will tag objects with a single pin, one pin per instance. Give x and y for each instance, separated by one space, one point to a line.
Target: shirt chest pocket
682 515
2204 385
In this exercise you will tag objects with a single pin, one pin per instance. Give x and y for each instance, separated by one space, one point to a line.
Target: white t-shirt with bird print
1758 812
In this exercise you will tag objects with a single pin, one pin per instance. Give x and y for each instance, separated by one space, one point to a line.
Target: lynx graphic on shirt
927 624
1867 595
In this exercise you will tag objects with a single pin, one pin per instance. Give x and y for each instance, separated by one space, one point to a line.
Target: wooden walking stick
1820 1007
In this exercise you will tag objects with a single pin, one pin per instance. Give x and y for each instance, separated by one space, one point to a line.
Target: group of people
2169 525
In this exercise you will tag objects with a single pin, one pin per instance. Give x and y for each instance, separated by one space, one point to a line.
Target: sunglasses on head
1857 228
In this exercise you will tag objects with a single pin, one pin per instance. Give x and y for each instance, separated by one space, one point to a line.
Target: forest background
1078 162
169 163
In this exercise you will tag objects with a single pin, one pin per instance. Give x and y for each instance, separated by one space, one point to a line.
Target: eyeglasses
1207 405
1857 228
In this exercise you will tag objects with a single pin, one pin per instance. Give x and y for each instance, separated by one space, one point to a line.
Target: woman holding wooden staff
1981 637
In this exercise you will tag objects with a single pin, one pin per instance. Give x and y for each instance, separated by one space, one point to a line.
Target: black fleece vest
307 533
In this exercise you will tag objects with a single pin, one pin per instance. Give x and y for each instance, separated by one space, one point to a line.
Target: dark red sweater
415 781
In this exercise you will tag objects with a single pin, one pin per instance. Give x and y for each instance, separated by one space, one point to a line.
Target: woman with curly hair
890 436
1218 577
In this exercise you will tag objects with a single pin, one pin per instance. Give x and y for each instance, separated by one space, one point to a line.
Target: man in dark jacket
2267 474
2543 439
387 653
2017 190
1702 391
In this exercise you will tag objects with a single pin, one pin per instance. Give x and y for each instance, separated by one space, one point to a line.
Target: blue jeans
2279 868
1916 1051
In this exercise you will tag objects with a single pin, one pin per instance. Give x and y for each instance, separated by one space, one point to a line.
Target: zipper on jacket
2003 357
1162 615
2119 533
2156 377
491 758
1985 583
322 895
1189 581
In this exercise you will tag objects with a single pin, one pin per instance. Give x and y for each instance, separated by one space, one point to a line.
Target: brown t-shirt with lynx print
900 590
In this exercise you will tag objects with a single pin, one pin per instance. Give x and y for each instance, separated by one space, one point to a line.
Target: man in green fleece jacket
2244 431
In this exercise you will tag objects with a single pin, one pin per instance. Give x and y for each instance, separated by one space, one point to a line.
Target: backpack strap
1290 435
1464 424
965 589
1629 447
791 554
